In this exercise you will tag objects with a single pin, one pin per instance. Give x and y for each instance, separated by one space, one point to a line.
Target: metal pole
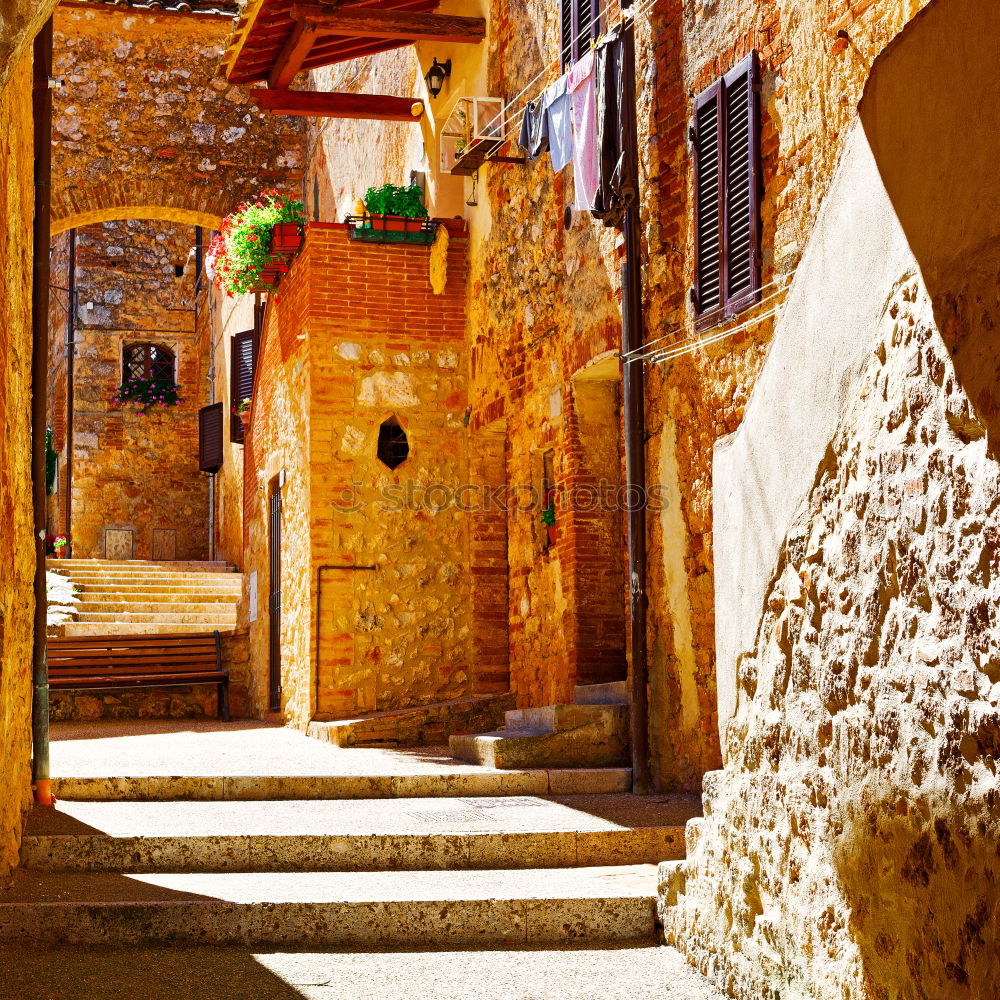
634 419
42 112
211 384
70 365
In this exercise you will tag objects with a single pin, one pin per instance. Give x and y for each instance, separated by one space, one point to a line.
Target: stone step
357 835
585 746
208 788
308 909
612 693
217 566
562 718
215 581
142 628
219 614
148 609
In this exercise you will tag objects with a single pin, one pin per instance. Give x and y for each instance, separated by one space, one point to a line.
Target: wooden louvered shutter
741 263
706 135
241 377
566 35
210 425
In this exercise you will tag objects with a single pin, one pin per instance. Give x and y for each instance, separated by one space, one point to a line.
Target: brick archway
156 201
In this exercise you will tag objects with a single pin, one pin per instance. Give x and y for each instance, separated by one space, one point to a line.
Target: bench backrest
97 655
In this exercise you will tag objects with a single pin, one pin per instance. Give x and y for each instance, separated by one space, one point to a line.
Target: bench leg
224 700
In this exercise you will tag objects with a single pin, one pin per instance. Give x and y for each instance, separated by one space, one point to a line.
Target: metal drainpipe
42 114
70 365
634 420
211 395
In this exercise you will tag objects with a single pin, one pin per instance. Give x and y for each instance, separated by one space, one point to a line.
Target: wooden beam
403 24
317 105
292 55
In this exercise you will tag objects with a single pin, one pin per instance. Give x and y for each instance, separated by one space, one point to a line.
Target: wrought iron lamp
436 76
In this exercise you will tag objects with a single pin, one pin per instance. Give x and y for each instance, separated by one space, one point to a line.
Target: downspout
42 115
70 365
634 420
198 263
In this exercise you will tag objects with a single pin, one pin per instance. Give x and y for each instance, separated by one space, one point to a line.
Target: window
392 448
725 134
243 359
145 361
579 24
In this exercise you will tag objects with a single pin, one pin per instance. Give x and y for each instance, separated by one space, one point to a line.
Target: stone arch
159 201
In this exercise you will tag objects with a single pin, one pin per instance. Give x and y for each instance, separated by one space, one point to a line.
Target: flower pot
551 528
268 278
245 420
286 238
397 223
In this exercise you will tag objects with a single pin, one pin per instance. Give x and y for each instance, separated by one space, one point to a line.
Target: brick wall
355 337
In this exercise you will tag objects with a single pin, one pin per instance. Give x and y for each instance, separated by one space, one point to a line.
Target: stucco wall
17 566
848 847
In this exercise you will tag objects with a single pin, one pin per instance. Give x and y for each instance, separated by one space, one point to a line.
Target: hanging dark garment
534 137
617 174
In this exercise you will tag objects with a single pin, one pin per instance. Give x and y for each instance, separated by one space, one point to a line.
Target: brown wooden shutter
707 137
742 201
241 377
566 33
210 424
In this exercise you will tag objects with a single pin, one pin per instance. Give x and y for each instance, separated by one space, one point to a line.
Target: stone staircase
139 598
443 869
591 732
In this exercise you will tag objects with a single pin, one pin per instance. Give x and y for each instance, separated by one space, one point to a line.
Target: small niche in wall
393 446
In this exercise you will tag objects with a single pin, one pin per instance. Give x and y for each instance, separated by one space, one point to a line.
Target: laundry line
510 126
643 352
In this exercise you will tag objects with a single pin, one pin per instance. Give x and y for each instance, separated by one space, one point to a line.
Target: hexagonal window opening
393 447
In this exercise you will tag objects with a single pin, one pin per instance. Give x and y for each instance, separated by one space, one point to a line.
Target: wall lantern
436 76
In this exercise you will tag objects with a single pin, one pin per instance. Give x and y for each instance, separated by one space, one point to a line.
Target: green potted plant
549 517
254 243
242 410
396 209
59 546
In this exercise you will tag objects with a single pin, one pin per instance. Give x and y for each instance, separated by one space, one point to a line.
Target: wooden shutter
566 12
708 205
241 377
210 425
726 139
742 202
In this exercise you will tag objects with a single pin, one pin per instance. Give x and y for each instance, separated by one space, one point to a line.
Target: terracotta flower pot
268 277
286 238
245 420
552 533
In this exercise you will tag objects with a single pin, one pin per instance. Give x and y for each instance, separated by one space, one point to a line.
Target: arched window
148 361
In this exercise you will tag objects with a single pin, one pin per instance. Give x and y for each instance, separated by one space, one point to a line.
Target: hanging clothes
617 180
559 119
534 137
581 86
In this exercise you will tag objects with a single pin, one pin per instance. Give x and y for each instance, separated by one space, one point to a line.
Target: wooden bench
107 662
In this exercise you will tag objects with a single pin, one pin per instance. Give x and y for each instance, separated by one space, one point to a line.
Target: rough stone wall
810 85
132 471
144 128
850 846
17 567
355 339
20 21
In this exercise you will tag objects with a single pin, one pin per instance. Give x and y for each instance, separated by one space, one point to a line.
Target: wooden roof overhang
276 39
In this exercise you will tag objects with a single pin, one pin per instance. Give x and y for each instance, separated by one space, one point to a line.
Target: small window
579 25
144 361
725 134
393 447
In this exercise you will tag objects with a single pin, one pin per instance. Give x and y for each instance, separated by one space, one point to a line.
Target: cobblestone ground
236 974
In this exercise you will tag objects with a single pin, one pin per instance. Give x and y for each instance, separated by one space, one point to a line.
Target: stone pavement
651 973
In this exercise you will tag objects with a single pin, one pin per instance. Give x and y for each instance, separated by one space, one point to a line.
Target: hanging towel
581 89
616 178
555 102
534 137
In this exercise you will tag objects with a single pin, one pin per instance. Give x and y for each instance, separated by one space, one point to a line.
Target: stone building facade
17 568
136 490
